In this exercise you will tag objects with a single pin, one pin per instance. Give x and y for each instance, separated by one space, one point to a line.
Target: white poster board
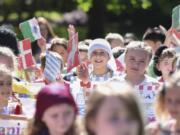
12 125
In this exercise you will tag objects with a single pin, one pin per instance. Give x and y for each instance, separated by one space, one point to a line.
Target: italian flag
30 29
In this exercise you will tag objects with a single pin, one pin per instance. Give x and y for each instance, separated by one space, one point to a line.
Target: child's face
59 118
114 119
99 58
116 43
6 61
61 51
83 56
136 62
43 30
165 66
5 89
172 102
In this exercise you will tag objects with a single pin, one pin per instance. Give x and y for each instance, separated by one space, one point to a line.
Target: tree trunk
96 19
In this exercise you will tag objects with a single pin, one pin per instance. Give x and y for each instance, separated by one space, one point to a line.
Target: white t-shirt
81 94
146 90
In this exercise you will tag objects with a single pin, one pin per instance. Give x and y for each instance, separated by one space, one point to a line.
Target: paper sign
12 125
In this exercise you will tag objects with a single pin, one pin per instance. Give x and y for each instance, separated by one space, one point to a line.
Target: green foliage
13 16
146 4
49 15
61 31
117 6
167 5
85 5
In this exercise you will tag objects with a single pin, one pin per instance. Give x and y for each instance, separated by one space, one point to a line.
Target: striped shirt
81 94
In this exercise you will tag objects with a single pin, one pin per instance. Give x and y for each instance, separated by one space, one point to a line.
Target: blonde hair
58 42
44 21
139 45
113 88
4 71
160 108
8 53
115 36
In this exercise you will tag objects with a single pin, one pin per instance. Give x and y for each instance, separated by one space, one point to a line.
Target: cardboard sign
52 67
12 125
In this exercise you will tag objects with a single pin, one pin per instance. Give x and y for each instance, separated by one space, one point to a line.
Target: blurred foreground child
9 104
167 109
113 109
55 112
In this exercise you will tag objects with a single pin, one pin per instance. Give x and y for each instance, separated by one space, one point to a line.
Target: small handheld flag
30 29
25 57
73 57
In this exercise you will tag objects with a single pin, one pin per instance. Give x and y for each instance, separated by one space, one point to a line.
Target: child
46 29
137 57
103 63
115 40
103 68
8 58
47 35
163 62
167 108
113 109
153 37
55 112
8 38
59 45
128 37
83 51
9 104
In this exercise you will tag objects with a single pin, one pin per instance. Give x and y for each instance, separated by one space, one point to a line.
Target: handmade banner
52 66
30 29
73 57
12 125
176 17
25 57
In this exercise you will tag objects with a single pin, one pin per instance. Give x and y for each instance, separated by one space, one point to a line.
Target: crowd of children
121 86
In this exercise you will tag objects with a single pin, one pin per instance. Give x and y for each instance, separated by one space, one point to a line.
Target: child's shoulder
149 83
150 80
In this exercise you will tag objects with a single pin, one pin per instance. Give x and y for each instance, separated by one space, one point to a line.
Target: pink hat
53 94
